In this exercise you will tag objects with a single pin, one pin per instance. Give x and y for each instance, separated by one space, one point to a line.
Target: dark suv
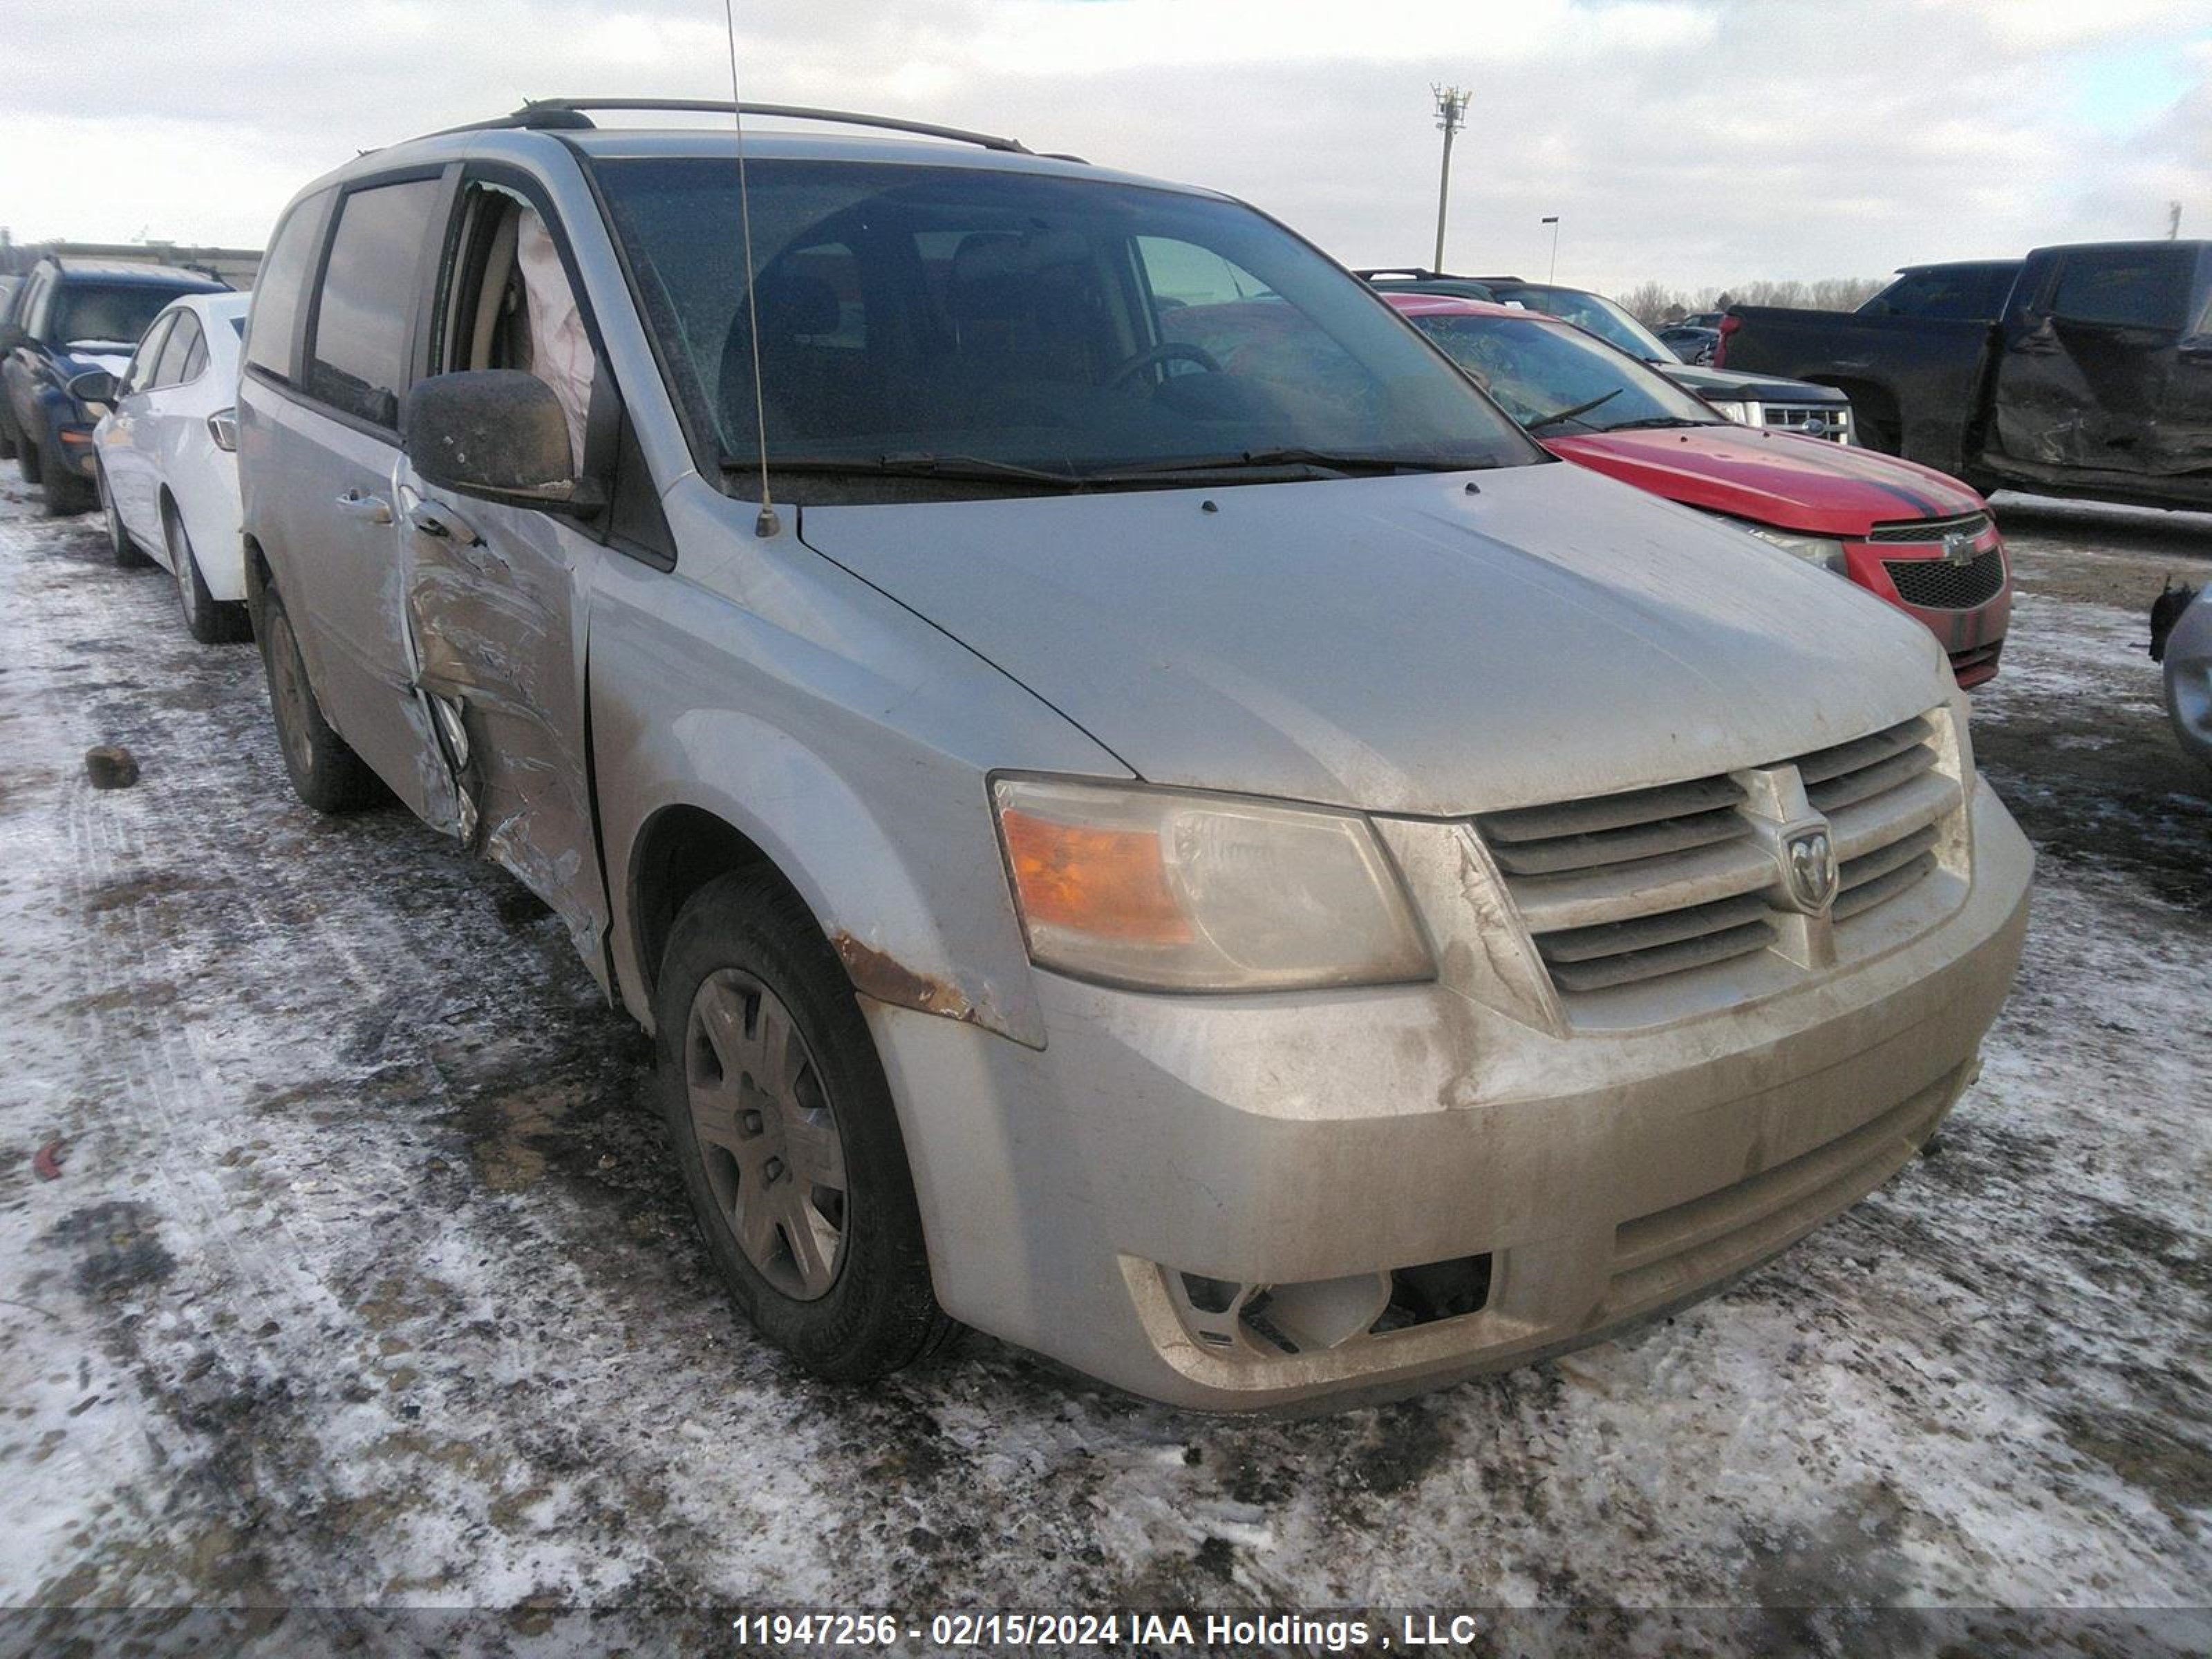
69 317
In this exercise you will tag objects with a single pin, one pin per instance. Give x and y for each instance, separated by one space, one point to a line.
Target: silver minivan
1222 863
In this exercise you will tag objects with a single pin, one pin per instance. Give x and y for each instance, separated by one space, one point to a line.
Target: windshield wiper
1314 462
1538 424
1649 421
965 468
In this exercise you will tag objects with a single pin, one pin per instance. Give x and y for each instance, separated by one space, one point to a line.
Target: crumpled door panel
495 608
2105 397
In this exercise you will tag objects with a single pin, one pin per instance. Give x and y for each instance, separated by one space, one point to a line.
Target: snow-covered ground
363 1278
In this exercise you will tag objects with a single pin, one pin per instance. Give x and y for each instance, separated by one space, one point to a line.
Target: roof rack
571 114
1422 273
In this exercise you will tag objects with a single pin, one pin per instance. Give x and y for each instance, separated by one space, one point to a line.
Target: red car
1916 538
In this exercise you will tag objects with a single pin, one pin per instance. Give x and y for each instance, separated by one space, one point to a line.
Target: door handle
437 519
374 508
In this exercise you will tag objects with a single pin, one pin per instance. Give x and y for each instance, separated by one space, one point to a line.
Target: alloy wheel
117 538
181 566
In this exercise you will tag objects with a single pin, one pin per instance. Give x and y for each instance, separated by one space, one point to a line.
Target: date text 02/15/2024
1329 1634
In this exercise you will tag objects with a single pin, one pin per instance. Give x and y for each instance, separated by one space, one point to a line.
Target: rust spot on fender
889 980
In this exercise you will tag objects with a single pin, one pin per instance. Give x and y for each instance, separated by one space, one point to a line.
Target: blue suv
70 316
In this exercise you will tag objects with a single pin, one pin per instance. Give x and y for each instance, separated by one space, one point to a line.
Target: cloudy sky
1690 141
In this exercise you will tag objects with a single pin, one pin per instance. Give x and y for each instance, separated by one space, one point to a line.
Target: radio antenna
768 524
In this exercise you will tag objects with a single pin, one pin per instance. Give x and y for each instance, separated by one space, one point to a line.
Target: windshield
86 313
1542 371
1596 314
1026 328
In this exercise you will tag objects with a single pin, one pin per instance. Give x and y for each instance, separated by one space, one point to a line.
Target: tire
27 459
63 492
7 430
120 546
328 775
830 1266
207 619
1876 433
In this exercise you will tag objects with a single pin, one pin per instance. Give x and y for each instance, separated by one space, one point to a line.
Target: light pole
1552 220
1451 110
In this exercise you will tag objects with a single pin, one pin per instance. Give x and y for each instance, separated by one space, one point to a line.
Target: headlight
1171 890
1737 410
1824 550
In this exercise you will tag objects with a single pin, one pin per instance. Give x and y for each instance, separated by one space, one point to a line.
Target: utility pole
2172 221
1451 111
1552 220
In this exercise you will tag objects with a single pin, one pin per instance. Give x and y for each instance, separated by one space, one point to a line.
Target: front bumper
72 446
1972 637
1325 1141
2188 660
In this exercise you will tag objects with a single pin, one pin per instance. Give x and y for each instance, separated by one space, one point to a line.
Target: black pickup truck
2094 378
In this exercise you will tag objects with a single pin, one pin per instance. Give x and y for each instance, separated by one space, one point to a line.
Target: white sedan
168 466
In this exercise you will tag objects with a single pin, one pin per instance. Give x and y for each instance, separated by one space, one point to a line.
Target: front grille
1940 584
1931 532
1832 421
1620 889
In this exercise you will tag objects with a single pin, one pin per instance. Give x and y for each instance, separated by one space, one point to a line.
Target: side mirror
95 385
496 434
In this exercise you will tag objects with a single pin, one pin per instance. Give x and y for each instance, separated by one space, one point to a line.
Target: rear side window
2139 287
282 286
365 310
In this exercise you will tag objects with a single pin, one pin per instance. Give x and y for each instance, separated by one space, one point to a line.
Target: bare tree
1656 303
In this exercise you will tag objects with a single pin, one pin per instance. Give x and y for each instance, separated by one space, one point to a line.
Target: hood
1730 383
1401 644
76 360
1773 477
69 362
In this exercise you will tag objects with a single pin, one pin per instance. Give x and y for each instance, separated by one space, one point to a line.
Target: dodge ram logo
1810 865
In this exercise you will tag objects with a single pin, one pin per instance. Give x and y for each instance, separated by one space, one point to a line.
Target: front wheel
120 547
328 775
784 1129
64 491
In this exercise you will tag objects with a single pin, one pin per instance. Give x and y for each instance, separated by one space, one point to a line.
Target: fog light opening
1436 1291
1263 1322
1210 1296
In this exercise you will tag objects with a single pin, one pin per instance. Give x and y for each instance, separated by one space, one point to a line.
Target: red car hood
1795 484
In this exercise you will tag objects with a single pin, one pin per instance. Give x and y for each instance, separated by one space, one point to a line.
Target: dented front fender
845 737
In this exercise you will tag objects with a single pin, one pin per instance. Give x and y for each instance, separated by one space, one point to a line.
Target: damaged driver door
496 593
2095 375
